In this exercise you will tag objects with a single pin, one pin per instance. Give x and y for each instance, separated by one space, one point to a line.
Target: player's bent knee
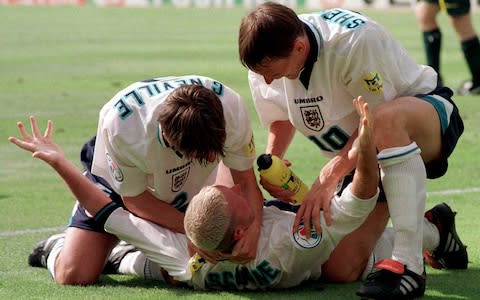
385 113
392 122
75 276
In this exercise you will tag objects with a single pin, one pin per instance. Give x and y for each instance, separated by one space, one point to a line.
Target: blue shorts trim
441 111
451 128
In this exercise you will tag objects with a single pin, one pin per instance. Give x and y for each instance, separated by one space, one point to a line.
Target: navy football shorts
451 125
80 217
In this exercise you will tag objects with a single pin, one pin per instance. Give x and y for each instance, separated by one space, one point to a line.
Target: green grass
64 63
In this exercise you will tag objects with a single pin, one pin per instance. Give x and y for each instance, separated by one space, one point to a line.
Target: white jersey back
132 156
356 57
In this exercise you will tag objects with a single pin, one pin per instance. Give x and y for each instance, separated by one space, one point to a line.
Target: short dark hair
269 31
192 118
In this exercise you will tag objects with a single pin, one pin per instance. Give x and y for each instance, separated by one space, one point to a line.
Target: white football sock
404 183
382 250
431 236
135 263
384 246
52 257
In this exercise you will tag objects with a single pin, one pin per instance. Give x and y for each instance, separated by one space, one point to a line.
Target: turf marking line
56 229
28 231
454 191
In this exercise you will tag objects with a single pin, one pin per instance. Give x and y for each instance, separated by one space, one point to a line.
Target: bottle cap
264 161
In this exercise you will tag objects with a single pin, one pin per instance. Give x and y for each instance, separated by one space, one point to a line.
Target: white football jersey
354 56
284 259
132 156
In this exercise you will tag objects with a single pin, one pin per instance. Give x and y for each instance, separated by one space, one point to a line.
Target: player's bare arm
366 177
148 207
280 135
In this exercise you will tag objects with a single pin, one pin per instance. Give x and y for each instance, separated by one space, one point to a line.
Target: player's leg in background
461 20
426 14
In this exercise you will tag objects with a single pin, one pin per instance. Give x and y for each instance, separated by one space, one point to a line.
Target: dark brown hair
192 119
269 31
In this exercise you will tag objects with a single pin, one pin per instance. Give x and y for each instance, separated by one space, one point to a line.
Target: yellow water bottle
276 172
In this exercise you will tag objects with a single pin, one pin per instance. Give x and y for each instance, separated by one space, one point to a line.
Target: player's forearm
337 168
83 189
280 136
148 207
366 178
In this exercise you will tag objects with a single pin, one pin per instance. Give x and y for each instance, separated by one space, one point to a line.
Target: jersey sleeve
239 144
380 69
268 99
348 213
114 160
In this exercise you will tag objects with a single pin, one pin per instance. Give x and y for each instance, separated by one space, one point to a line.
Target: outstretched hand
41 146
365 128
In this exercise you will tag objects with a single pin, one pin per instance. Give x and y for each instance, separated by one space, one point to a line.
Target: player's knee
389 120
74 276
422 18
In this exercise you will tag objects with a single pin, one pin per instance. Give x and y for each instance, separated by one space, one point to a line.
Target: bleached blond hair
208 221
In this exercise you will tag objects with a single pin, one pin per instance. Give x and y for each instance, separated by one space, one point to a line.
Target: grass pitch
64 63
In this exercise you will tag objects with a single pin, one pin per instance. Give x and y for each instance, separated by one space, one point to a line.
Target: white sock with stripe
404 183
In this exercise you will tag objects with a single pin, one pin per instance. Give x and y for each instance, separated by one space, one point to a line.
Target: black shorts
451 126
452 7
80 217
